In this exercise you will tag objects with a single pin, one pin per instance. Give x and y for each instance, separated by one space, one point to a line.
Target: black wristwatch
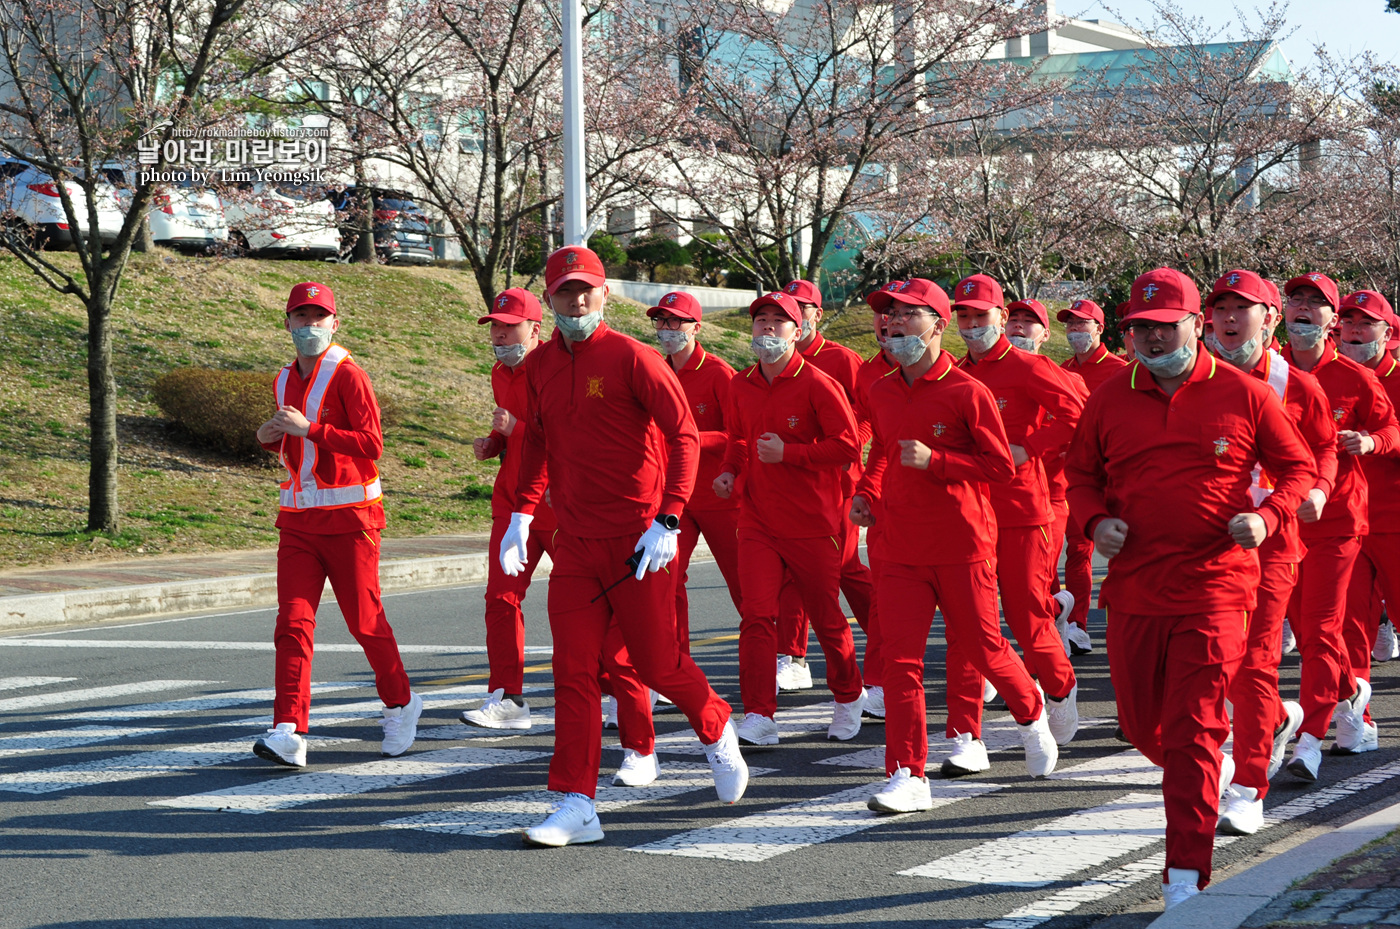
670 520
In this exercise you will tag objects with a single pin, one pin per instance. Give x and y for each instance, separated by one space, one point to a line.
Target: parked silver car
32 204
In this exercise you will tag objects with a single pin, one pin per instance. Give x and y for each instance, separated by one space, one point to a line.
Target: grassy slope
413 329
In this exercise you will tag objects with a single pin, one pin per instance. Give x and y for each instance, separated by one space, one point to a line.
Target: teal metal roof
1118 67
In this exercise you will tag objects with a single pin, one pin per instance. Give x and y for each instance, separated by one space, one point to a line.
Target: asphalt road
123 746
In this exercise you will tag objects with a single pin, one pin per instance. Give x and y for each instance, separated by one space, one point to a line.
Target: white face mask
578 328
1081 342
672 340
906 349
1171 364
1024 343
311 341
1240 356
769 348
809 329
981 338
510 355
1305 335
1361 352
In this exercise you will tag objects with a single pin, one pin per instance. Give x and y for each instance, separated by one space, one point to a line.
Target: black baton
632 563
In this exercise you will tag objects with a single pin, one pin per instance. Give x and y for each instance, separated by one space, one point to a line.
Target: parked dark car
401 230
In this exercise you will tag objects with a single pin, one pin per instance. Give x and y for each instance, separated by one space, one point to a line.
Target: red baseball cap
880 300
1275 298
1082 309
1370 302
1034 306
804 292
1244 284
311 293
1394 342
516 305
780 300
573 263
1163 295
979 292
1321 281
918 291
677 303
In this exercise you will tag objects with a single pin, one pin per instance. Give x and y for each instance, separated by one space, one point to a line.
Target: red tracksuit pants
1171 675
1059 521
505 624
967 595
1254 690
1377 566
1317 614
1079 574
815 564
858 584
721 531
351 562
636 617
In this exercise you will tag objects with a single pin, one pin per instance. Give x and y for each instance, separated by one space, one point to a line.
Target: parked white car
282 219
32 202
181 215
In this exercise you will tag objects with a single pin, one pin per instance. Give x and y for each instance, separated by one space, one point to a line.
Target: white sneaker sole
762 740
878 805
471 718
582 837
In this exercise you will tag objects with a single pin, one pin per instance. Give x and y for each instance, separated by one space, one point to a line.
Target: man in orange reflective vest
326 432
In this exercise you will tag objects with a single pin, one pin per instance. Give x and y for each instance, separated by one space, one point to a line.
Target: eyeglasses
1312 301
902 316
669 322
1157 330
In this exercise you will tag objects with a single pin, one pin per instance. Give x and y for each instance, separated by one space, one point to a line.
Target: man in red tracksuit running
1263 723
326 432
1365 331
857 581
1093 363
1159 477
705 380
611 419
791 438
1366 425
1040 406
937 443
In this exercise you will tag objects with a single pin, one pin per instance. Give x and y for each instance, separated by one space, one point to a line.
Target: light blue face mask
905 349
510 355
1240 356
1172 363
672 340
578 328
1361 352
769 348
981 338
1024 343
312 341
1081 342
1305 335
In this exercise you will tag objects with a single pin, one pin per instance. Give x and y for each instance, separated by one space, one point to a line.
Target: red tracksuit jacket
1028 387
1383 471
612 420
1176 470
803 496
1102 365
944 515
510 389
843 366
870 371
705 380
1358 403
348 440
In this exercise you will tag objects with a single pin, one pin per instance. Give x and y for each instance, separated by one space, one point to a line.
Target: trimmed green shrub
219 409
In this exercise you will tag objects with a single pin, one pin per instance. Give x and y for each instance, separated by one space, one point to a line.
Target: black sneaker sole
865 714
952 770
1076 651
262 751
1300 771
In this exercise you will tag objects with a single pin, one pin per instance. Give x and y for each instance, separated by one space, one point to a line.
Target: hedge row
221 409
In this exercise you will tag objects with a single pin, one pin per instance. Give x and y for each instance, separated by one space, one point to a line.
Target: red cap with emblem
677 303
1035 307
1241 283
1320 281
1394 342
1275 298
880 300
1370 302
516 305
918 291
1163 295
804 292
1081 309
311 293
979 292
782 302
573 263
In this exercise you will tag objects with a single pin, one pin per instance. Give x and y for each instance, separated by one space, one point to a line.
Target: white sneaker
1350 717
1079 641
727 764
282 745
792 675
401 726
1284 734
1370 741
989 693
1227 775
1387 645
969 756
1180 886
1307 758
845 720
1062 716
754 729
1065 601
1244 811
572 821
1041 750
610 714
902 793
636 770
499 713
874 709
1290 641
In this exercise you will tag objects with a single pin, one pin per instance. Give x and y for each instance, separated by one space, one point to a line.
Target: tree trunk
102 415
143 241
364 208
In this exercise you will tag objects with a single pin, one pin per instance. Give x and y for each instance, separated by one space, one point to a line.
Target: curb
1228 904
140 601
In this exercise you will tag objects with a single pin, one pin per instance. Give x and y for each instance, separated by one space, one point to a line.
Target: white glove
658 546
513 544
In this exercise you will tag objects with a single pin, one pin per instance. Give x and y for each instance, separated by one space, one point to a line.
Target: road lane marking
792 724
66 738
192 704
33 701
765 835
997 734
366 709
195 645
540 721
19 683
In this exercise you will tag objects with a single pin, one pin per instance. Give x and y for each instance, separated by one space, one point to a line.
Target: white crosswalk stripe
765 835
39 701
286 792
447 697
193 704
251 646
19 683
998 734
541 721
792 724
55 739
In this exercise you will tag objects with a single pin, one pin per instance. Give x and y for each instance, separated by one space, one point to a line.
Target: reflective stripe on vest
300 491
1276 374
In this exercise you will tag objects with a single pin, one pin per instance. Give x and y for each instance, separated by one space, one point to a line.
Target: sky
1347 27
